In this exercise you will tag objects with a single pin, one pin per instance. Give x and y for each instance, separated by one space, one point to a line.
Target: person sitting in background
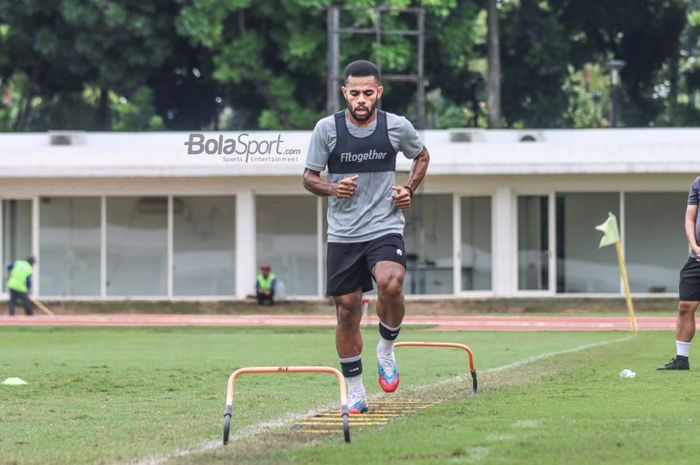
19 284
265 286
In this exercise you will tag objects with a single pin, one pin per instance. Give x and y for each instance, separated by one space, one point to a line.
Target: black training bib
370 154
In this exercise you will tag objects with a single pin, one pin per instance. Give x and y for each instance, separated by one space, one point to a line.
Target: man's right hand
696 251
346 187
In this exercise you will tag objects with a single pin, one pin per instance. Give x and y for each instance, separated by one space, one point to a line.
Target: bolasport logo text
242 149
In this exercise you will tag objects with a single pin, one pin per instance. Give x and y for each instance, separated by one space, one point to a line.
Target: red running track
443 323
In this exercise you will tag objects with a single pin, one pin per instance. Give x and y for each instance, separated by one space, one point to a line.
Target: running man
689 286
365 222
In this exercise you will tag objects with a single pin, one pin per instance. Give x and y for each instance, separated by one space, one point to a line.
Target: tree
683 74
456 69
494 59
60 50
588 95
272 55
265 52
535 53
193 64
644 33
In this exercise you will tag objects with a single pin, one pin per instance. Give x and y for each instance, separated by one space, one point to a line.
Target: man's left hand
402 199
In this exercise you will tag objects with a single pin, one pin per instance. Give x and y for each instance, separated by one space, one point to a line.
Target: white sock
384 347
355 386
682 348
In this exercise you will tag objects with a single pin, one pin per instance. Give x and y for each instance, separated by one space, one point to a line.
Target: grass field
108 395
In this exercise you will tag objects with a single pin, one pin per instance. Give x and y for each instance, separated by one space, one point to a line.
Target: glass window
581 265
655 243
137 246
69 246
476 243
533 243
286 239
428 236
204 246
16 231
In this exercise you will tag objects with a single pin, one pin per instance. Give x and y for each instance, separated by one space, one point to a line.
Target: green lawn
585 414
109 395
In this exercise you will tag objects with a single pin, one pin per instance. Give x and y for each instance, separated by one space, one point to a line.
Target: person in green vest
265 286
19 284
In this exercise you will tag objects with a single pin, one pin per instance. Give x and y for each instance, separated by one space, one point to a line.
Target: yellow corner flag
611 235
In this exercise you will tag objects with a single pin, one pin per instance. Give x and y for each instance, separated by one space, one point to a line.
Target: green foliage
455 67
693 16
443 114
647 40
679 82
573 409
534 57
265 62
268 61
136 114
268 68
588 92
454 117
5 119
64 47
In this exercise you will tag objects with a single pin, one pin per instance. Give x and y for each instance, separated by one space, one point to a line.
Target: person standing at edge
19 284
365 222
689 286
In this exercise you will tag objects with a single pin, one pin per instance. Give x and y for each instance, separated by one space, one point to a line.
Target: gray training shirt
370 213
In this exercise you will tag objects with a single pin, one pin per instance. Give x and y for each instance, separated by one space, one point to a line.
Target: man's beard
366 116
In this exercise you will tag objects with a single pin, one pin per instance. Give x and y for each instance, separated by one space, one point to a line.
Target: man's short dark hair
362 68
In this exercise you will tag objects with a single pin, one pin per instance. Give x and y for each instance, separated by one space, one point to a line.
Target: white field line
536 358
244 432
296 416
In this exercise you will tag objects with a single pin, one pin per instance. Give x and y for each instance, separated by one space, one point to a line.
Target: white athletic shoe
357 403
388 372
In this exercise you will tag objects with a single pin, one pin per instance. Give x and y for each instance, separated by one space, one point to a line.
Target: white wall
502 188
494 152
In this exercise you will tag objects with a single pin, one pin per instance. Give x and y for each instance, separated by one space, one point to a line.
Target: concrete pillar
246 268
504 253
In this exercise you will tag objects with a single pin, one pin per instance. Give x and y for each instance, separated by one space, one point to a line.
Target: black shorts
689 286
349 266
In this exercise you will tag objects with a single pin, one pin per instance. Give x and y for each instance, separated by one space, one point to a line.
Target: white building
133 215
